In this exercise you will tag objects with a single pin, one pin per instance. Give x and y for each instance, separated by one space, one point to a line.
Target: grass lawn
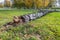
6 16
50 24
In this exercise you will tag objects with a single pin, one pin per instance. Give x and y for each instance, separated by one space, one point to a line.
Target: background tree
1 5
28 3
47 2
32 3
8 3
19 3
38 3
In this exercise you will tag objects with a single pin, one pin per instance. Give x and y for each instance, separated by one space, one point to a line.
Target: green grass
6 16
50 22
47 26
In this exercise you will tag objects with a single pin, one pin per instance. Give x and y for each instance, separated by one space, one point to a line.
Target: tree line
29 3
32 3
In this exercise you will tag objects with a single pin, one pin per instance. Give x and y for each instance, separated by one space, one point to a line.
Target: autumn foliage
1 5
8 3
27 3
32 3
